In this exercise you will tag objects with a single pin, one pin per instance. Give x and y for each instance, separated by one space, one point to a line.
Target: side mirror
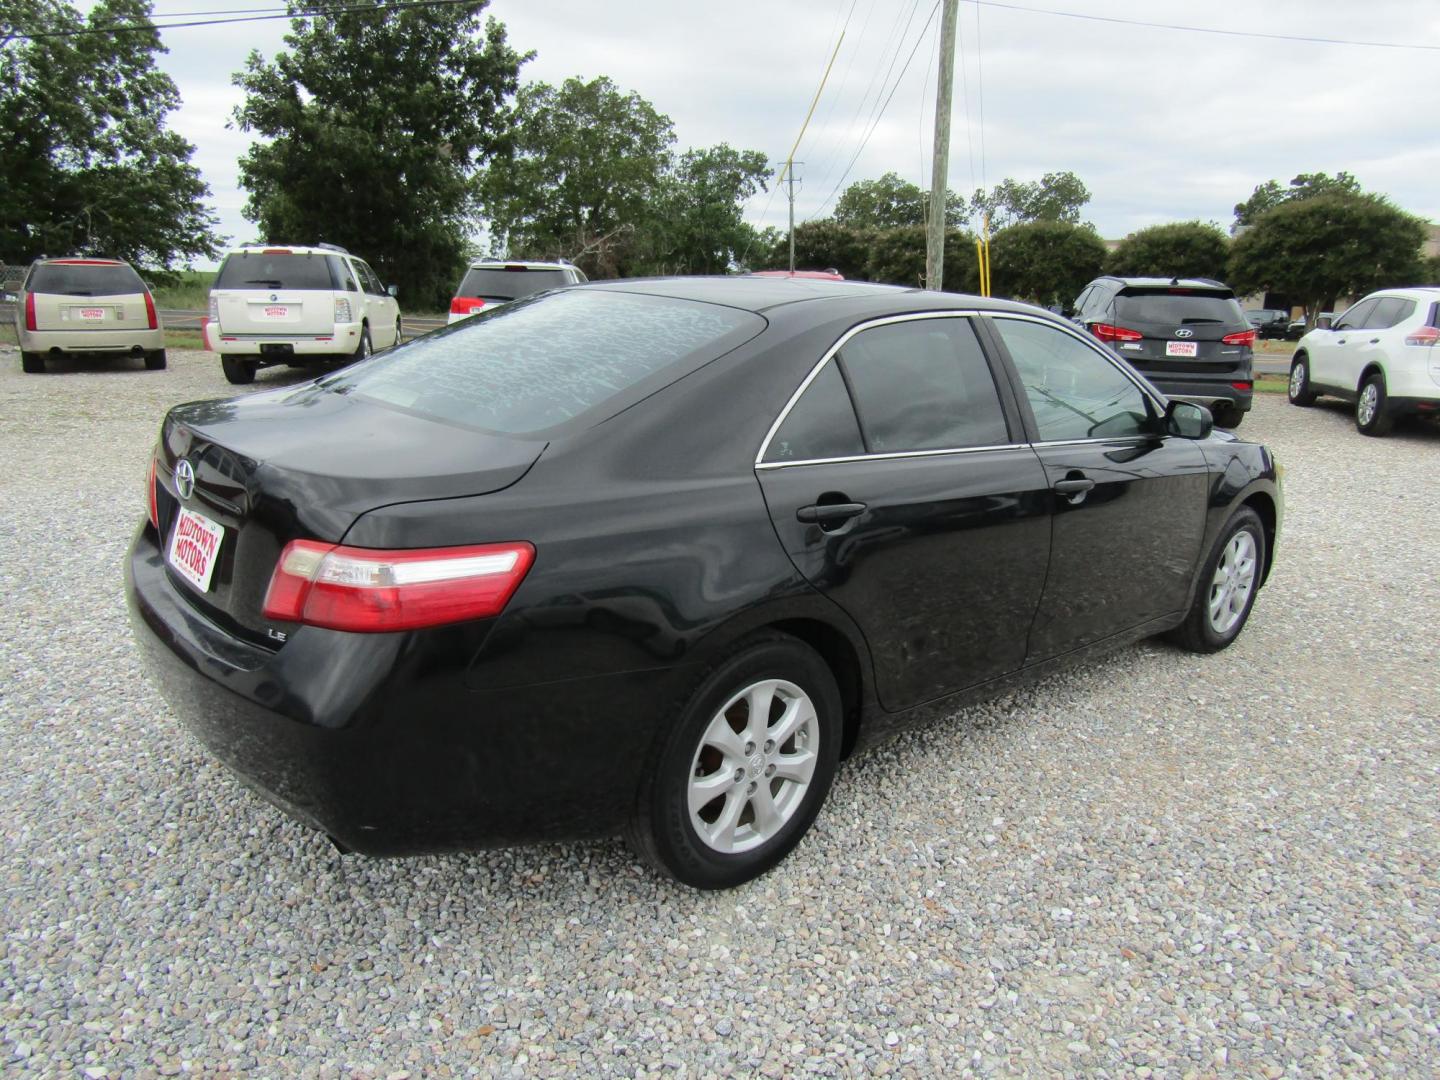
1188 420
1325 322
392 290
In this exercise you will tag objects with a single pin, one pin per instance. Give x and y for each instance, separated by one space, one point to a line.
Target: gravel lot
1163 865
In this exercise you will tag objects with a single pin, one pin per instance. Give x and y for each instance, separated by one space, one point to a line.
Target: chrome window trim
893 455
1114 361
884 320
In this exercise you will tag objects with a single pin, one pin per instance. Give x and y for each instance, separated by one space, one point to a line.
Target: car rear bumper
78 341
344 341
375 740
1207 392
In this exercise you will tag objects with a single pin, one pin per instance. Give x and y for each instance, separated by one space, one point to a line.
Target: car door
1372 343
382 308
1333 353
899 484
1128 502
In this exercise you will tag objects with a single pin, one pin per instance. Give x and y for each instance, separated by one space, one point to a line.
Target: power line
154 27
1200 29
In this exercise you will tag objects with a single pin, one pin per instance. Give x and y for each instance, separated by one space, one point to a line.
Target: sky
1160 124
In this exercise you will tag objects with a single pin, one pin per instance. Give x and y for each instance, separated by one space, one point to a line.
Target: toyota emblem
1182 332
184 479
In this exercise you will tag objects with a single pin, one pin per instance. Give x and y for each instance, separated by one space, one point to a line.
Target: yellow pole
987 256
980 262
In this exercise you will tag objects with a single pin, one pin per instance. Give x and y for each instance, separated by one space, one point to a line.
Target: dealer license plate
274 312
1181 348
194 548
92 313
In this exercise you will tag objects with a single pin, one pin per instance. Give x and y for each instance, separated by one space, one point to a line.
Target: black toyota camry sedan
653 556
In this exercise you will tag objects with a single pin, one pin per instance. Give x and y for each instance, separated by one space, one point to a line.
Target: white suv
490 282
1381 354
293 304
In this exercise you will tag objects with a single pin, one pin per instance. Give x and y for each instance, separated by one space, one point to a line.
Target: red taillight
1243 385
1244 337
150 312
30 311
1426 335
368 590
154 503
1106 332
465 305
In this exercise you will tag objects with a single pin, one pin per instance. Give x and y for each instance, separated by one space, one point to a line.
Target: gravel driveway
1161 865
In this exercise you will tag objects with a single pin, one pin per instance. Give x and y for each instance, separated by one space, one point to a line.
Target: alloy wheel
1297 380
1369 402
1233 582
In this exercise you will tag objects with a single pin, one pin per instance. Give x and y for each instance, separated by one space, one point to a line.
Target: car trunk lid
1182 330
276 293
265 478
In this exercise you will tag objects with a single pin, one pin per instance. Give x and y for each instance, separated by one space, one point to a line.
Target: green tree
372 124
697 226
88 165
583 169
1183 249
891 202
1056 196
1045 262
825 245
1271 194
897 257
1326 246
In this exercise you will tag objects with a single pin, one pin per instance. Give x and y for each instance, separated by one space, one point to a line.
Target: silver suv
83 305
294 305
490 282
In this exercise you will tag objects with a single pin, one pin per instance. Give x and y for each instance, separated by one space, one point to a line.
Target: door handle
1074 486
823 514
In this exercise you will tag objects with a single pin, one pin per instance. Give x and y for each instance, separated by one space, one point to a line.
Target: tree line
419 173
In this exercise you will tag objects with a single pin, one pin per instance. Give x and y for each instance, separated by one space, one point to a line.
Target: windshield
1178 307
261 270
503 284
534 364
81 279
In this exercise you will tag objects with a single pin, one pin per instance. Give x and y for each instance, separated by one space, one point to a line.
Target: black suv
1188 336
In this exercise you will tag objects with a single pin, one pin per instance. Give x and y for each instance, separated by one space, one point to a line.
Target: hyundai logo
184 479
1182 332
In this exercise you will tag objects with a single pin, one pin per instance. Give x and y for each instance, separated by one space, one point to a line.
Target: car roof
288 249
819 275
528 264
81 260
1166 283
761 294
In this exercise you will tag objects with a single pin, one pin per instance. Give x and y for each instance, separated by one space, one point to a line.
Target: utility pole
940 167
790 179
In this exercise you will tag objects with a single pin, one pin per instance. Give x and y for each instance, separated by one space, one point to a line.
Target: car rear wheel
1229 416
1299 391
1228 583
741 775
155 360
32 363
364 349
399 331
238 370
1372 410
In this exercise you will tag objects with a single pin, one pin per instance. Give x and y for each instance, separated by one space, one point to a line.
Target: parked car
815 275
652 556
1270 323
1188 336
297 305
491 282
1381 355
86 306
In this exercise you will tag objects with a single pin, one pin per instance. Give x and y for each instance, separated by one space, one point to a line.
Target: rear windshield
510 284
1178 307
255 270
78 279
532 365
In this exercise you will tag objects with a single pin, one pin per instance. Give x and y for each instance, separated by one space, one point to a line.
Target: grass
1271 384
190 293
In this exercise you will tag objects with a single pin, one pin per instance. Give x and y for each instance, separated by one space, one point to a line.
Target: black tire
238 370
1299 390
1198 633
1229 416
399 331
32 363
662 831
1373 417
155 360
365 348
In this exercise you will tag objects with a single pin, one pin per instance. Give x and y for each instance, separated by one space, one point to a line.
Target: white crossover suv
1383 354
295 305
490 282
83 305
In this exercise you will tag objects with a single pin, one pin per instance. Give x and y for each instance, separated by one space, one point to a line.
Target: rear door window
534 365
497 284
84 279
1390 311
274 270
1178 307
923 384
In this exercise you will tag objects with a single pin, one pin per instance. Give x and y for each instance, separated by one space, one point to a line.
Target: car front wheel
1372 410
1226 590
1299 390
740 777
